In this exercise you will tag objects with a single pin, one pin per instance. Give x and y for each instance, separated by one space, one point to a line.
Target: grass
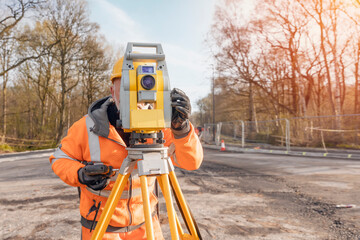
6 148
348 146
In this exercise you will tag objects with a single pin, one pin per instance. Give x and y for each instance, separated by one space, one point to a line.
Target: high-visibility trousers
137 234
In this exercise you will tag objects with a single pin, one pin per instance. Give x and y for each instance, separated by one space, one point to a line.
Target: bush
5 148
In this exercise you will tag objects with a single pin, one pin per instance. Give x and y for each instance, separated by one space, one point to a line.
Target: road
232 196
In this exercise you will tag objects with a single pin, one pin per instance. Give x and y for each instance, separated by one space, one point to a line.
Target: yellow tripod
151 162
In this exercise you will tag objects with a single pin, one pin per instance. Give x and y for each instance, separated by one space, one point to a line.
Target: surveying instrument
148 84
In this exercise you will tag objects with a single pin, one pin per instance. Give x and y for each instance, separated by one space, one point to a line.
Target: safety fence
324 132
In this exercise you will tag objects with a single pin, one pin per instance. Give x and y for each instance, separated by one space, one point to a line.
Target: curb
289 153
17 154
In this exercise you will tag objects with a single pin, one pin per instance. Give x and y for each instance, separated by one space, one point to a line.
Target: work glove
181 110
95 182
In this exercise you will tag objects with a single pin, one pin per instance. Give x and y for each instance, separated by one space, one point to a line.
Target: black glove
181 110
95 182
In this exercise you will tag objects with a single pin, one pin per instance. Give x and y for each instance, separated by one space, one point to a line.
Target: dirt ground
232 197
251 205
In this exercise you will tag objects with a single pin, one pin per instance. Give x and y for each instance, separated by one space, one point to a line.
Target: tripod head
138 140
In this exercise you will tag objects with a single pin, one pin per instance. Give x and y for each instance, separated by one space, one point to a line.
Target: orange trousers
137 234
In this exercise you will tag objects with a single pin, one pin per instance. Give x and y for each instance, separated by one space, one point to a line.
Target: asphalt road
232 196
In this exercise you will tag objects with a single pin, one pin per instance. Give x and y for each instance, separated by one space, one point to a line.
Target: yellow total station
145 104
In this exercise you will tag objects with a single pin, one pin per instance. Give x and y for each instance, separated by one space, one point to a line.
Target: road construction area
232 196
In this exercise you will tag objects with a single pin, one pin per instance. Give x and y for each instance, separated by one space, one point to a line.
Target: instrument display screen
148 69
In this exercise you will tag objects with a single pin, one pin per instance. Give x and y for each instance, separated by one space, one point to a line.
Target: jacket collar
98 113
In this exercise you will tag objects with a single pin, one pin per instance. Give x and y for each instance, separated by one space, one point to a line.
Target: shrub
5 148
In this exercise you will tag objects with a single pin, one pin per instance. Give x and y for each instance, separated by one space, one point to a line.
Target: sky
180 26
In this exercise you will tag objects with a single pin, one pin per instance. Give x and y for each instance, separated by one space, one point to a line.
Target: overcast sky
180 26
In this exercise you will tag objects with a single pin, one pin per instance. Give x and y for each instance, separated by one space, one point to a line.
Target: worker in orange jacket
96 138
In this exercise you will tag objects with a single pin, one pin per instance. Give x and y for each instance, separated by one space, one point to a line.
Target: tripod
151 160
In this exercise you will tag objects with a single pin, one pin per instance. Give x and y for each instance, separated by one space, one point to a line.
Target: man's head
115 91
116 82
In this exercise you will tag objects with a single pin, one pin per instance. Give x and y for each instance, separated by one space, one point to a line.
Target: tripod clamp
150 161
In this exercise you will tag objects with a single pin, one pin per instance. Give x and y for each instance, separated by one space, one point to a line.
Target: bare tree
58 53
7 55
316 12
233 56
354 42
94 67
39 72
12 14
284 26
284 53
68 25
357 76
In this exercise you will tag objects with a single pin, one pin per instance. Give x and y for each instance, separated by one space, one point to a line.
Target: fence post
242 133
287 133
235 128
218 133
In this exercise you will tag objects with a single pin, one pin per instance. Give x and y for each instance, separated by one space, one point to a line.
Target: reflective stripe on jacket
92 138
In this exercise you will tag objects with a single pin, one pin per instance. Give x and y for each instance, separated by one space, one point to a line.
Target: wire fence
342 131
27 143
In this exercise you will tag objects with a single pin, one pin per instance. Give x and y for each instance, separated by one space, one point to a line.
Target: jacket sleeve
185 152
66 160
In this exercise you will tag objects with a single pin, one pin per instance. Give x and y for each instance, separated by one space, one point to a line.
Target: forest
53 65
285 59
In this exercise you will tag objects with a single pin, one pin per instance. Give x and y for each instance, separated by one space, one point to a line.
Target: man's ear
112 90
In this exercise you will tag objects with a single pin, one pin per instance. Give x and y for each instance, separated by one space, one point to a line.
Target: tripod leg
188 218
146 204
110 205
178 224
165 188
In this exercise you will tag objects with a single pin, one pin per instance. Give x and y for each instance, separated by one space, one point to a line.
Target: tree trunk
336 61
294 86
4 110
356 74
69 112
252 111
328 76
251 102
62 101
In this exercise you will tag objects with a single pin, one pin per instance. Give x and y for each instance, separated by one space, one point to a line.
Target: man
96 138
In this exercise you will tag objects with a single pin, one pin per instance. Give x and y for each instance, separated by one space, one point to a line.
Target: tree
10 39
7 55
289 58
60 65
283 29
39 71
12 14
243 61
69 26
94 65
233 55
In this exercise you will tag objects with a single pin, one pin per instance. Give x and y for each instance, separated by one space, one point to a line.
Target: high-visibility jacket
94 139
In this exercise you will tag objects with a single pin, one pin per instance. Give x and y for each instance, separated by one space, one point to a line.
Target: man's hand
93 181
181 110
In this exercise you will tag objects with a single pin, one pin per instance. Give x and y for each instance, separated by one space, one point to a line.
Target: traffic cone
222 145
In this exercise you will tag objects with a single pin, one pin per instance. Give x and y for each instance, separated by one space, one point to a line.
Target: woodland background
286 59
289 59
53 65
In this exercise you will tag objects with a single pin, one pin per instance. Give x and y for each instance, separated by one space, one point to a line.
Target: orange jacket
93 138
